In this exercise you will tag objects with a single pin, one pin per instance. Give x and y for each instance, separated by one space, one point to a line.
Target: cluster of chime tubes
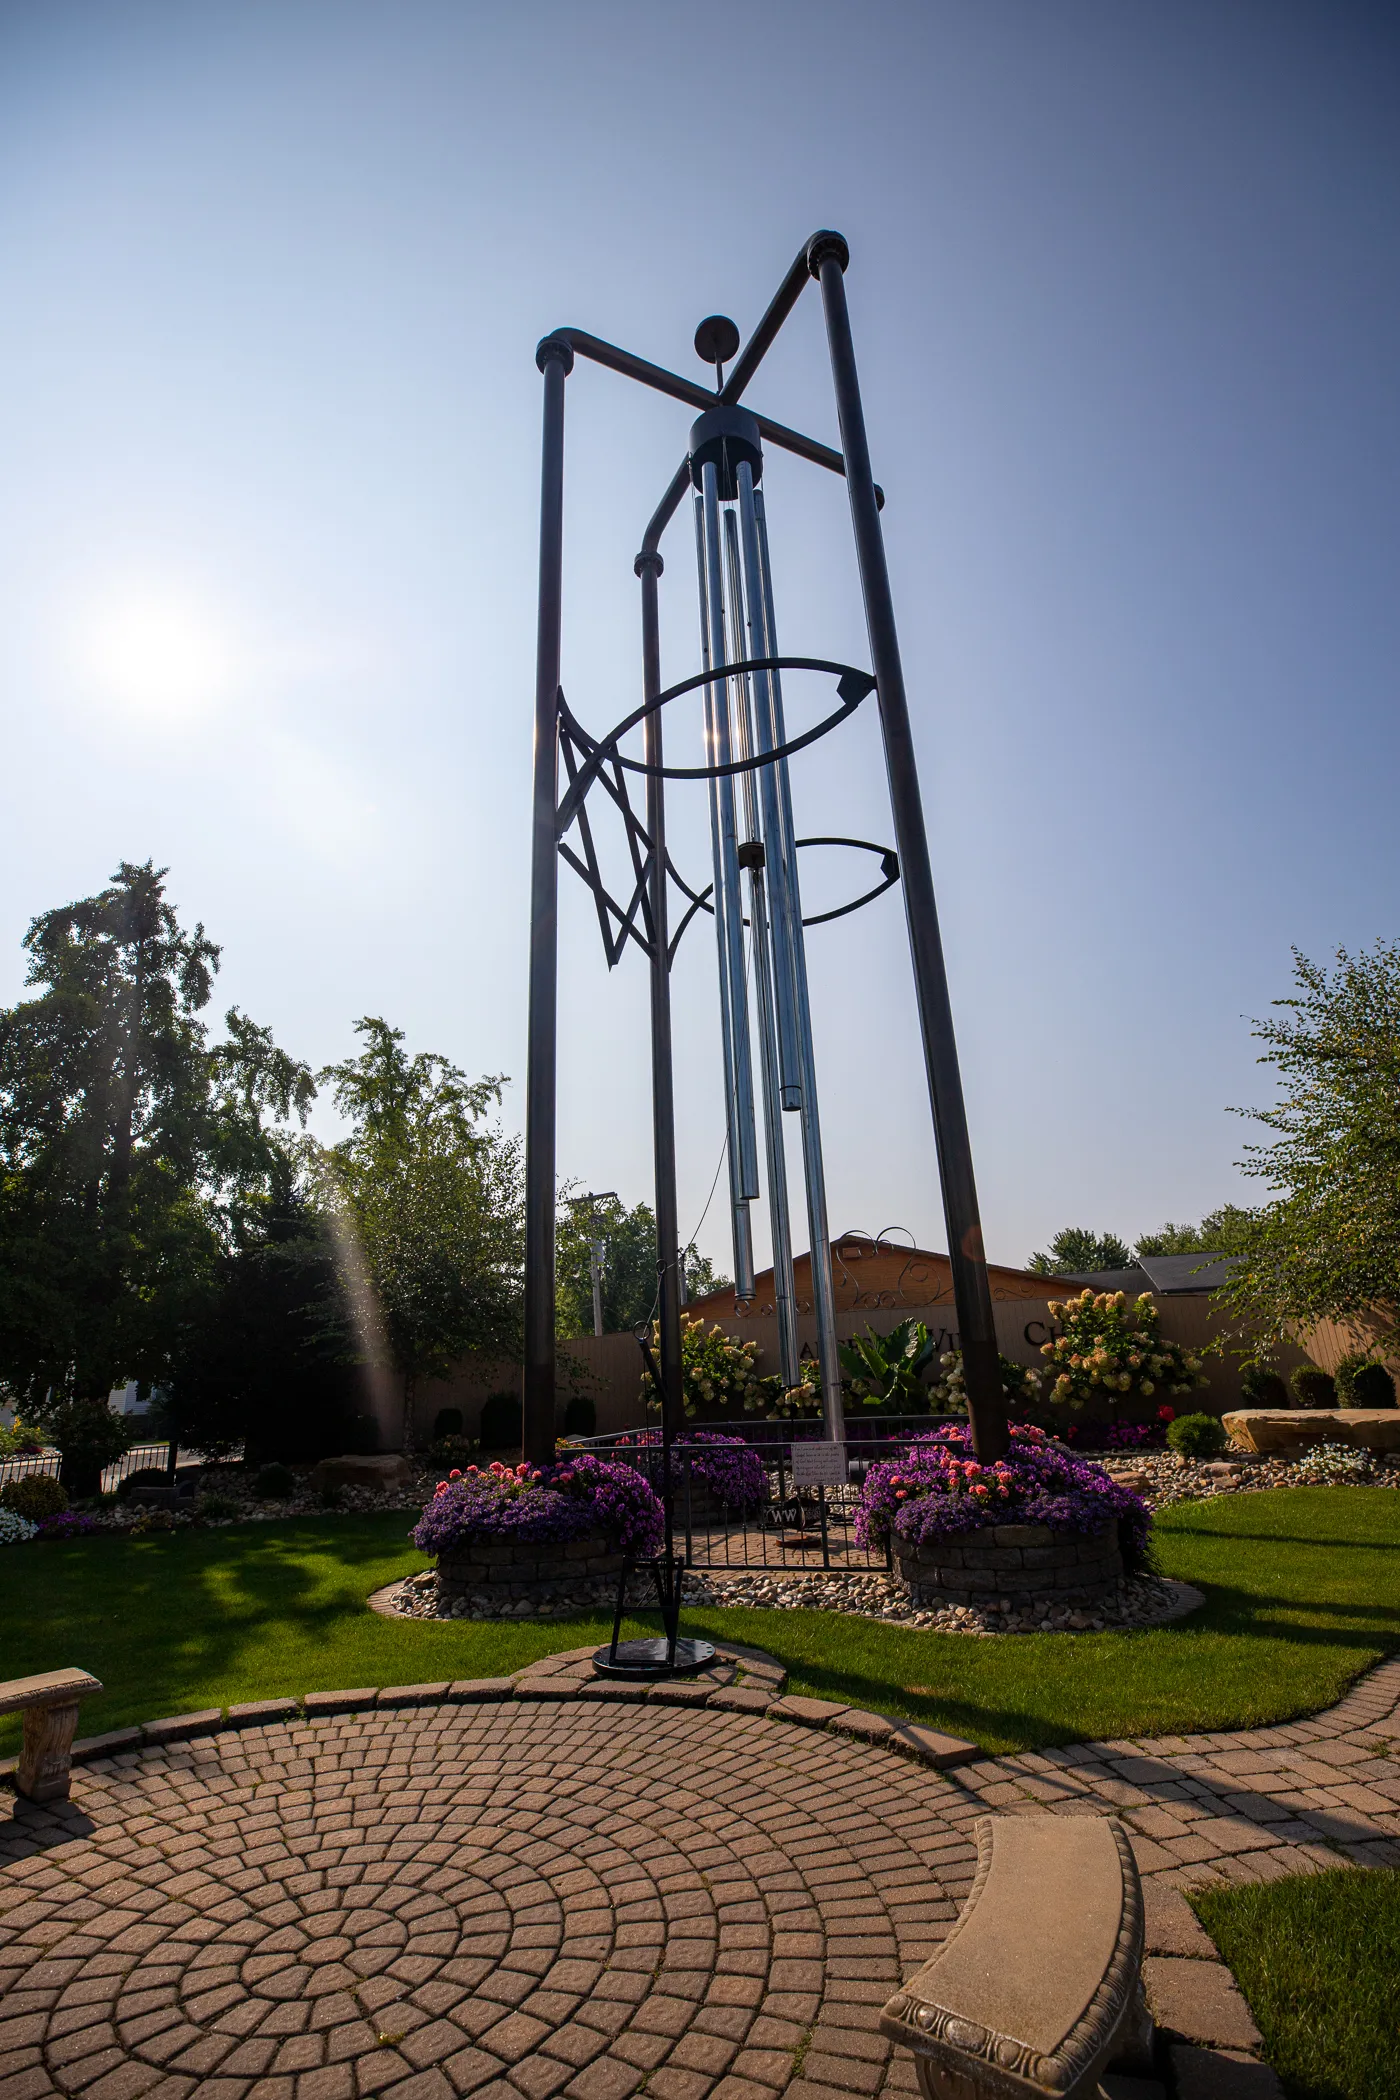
752 837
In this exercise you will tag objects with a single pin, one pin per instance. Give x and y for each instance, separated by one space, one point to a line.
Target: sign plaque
819 1465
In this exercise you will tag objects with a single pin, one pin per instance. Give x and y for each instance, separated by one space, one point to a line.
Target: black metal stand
668 1656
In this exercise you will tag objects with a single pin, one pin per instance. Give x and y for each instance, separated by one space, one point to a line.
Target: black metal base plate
649 1659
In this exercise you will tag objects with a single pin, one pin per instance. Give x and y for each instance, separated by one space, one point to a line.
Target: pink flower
455 1474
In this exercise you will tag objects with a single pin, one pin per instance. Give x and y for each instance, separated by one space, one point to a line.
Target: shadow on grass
204 1618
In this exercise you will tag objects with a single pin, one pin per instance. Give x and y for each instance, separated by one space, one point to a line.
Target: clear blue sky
1124 286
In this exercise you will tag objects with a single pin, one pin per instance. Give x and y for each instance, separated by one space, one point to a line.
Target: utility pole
597 1246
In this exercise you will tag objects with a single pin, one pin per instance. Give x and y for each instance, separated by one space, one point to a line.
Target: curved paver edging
747 1680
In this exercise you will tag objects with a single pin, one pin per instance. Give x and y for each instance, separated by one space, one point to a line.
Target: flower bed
532 1529
1037 1519
724 1469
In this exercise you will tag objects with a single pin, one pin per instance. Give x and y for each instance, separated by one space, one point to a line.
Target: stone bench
50 1707
1037 1989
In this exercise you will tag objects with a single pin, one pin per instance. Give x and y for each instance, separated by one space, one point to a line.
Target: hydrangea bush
1111 1347
496 1505
1019 1383
940 1488
15 1529
714 1369
731 1469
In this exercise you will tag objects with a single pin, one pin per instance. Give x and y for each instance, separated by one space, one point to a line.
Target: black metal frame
823 258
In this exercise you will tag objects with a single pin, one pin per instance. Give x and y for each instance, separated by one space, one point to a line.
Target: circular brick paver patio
433 1901
553 1893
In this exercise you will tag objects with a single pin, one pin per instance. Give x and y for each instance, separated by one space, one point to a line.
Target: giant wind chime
754 893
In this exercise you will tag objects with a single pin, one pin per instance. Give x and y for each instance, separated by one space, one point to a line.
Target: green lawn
1318 1959
1303 1587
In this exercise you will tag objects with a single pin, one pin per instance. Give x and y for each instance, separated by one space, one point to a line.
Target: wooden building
875 1276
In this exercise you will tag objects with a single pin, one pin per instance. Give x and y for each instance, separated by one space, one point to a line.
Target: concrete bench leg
45 1760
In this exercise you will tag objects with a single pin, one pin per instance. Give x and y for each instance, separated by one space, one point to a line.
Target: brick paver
509 1889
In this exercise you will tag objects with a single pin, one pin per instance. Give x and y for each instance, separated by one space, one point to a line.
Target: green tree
629 1284
1219 1232
267 1357
1076 1251
130 1150
701 1275
434 1195
1326 1243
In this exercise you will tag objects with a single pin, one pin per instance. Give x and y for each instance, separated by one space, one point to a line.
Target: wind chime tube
784 1292
823 1295
785 932
738 1208
722 753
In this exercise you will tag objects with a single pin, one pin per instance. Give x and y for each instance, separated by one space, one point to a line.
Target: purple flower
727 1465
66 1524
940 1488
549 1504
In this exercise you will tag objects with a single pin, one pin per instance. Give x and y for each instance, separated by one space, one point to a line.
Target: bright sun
159 655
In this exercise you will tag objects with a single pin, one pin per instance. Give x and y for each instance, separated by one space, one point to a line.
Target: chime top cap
724 436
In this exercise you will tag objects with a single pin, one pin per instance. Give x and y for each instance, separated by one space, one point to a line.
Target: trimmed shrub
580 1416
213 1506
447 1422
1198 1436
502 1422
1361 1382
1261 1387
36 1496
275 1483
1314 1387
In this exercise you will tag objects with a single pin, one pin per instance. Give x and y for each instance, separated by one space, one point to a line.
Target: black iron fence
793 1525
141 1458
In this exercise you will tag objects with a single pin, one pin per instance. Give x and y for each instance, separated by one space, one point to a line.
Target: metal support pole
663 1108
596 1252
555 359
827 256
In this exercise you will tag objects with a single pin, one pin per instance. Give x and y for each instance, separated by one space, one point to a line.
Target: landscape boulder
389 1470
1292 1429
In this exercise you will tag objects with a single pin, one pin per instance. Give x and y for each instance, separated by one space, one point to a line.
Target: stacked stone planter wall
1011 1560
526 1570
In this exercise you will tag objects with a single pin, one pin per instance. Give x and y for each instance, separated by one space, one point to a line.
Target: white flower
15 1530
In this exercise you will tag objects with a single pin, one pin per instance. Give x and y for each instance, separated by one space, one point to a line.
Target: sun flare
158 655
